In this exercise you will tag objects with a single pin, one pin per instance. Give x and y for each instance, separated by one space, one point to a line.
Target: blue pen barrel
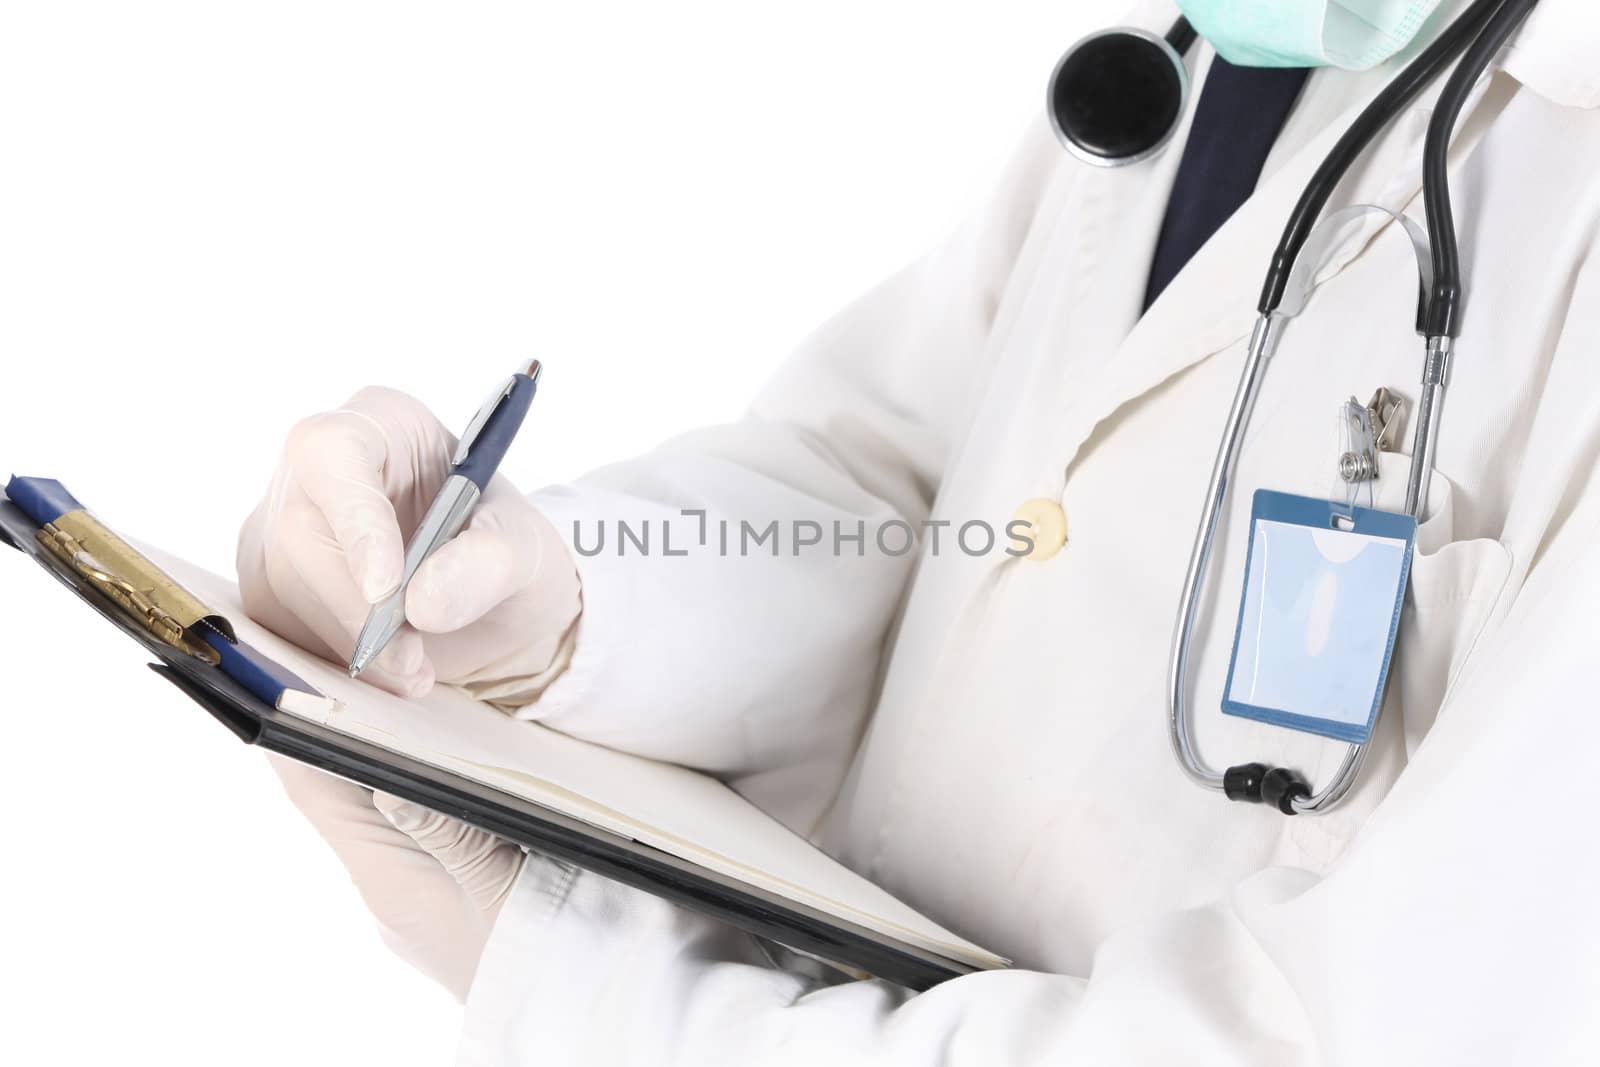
44 500
497 434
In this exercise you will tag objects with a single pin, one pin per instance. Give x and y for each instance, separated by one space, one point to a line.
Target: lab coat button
1046 527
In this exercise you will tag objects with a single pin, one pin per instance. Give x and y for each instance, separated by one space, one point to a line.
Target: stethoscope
1116 98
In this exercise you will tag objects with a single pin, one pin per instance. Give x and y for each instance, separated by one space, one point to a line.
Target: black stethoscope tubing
1480 32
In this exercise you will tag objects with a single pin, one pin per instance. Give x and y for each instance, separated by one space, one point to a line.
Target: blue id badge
1323 588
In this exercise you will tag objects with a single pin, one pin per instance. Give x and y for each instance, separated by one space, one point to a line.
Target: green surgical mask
1353 34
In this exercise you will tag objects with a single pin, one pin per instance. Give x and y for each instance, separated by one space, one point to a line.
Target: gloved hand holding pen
493 611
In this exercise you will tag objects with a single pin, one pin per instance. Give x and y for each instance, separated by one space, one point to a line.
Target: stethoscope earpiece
1117 96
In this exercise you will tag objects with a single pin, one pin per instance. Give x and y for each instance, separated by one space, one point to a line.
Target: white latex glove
492 611
434 884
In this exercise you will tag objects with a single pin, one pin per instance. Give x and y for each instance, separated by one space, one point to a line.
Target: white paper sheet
678 811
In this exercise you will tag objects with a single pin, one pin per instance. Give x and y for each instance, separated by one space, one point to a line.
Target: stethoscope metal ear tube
1295 292
1263 345
1263 341
1435 376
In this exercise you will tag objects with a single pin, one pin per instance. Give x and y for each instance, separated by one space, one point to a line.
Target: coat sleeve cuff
587 969
519 947
606 600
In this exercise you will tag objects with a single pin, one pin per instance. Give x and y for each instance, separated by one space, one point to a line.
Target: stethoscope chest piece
1117 96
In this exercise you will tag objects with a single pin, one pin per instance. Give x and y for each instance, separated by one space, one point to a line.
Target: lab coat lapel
1211 304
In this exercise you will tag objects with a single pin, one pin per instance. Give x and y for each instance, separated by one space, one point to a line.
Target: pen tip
533 370
354 670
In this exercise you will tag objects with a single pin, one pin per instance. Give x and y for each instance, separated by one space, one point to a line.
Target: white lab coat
985 736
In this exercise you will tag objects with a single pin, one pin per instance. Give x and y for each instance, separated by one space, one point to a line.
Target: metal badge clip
1369 430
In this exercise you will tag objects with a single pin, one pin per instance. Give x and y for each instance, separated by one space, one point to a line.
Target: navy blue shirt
1239 115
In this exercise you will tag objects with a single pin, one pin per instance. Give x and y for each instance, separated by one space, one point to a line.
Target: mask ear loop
1284 789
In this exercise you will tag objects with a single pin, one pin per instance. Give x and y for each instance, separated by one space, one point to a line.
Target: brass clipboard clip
125 577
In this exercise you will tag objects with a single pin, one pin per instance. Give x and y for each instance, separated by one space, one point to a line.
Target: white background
216 218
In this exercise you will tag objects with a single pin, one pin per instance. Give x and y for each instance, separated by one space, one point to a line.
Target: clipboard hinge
136 602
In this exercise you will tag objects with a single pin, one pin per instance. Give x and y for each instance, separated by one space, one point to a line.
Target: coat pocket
1453 594
1454 590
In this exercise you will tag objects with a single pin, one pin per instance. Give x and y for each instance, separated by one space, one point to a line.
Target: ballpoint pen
483 445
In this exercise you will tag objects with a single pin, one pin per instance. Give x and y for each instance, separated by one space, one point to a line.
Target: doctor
984 734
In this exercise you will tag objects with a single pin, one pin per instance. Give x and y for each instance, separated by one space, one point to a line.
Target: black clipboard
532 825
